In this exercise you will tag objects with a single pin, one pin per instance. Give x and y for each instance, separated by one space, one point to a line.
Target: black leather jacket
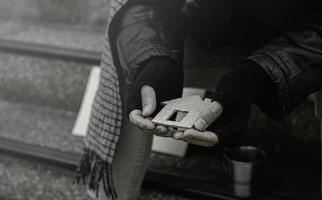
283 36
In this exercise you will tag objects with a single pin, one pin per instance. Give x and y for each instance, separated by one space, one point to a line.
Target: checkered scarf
105 123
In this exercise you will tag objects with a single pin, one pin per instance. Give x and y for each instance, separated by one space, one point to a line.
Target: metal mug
244 166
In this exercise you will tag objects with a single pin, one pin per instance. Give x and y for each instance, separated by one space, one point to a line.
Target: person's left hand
228 115
199 135
141 118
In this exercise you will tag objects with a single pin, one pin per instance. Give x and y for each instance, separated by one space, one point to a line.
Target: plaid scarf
105 123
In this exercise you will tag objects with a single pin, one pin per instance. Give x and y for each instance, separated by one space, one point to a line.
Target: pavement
26 180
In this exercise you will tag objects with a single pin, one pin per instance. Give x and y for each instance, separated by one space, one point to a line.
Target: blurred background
48 49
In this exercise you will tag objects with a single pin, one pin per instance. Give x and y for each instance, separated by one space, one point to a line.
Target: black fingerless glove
236 91
161 73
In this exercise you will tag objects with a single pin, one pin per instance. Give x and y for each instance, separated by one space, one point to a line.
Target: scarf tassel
92 170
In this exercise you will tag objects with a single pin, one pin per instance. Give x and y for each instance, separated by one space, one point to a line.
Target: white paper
82 120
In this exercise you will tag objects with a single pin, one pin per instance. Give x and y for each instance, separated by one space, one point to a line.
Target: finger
148 100
198 143
161 131
205 138
208 116
165 131
137 119
171 130
178 135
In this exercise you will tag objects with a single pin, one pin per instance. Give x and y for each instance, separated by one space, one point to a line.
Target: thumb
148 100
208 115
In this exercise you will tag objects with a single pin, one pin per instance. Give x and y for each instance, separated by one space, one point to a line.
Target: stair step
42 81
47 63
78 37
39 125
71 11
22 179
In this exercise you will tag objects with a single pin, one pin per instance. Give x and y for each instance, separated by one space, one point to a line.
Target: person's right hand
142 118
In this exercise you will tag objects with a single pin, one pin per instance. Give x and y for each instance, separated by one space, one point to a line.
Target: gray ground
22 180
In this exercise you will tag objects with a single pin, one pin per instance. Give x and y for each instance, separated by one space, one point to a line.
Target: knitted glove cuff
161 73
242 84
236 91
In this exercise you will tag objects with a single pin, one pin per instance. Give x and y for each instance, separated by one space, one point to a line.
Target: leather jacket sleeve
294 63
147 29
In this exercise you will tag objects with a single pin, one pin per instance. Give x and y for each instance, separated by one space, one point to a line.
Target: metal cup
244 167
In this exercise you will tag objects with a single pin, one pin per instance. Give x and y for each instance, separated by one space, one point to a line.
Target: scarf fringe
92 170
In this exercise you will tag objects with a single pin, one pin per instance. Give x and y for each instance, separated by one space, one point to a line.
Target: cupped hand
199 135
142 118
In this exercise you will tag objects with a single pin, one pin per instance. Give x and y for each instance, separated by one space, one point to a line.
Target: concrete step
42 81
48 81
82 37
23 179
39 125
71 11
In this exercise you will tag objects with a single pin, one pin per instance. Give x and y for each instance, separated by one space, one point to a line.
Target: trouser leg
130 162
